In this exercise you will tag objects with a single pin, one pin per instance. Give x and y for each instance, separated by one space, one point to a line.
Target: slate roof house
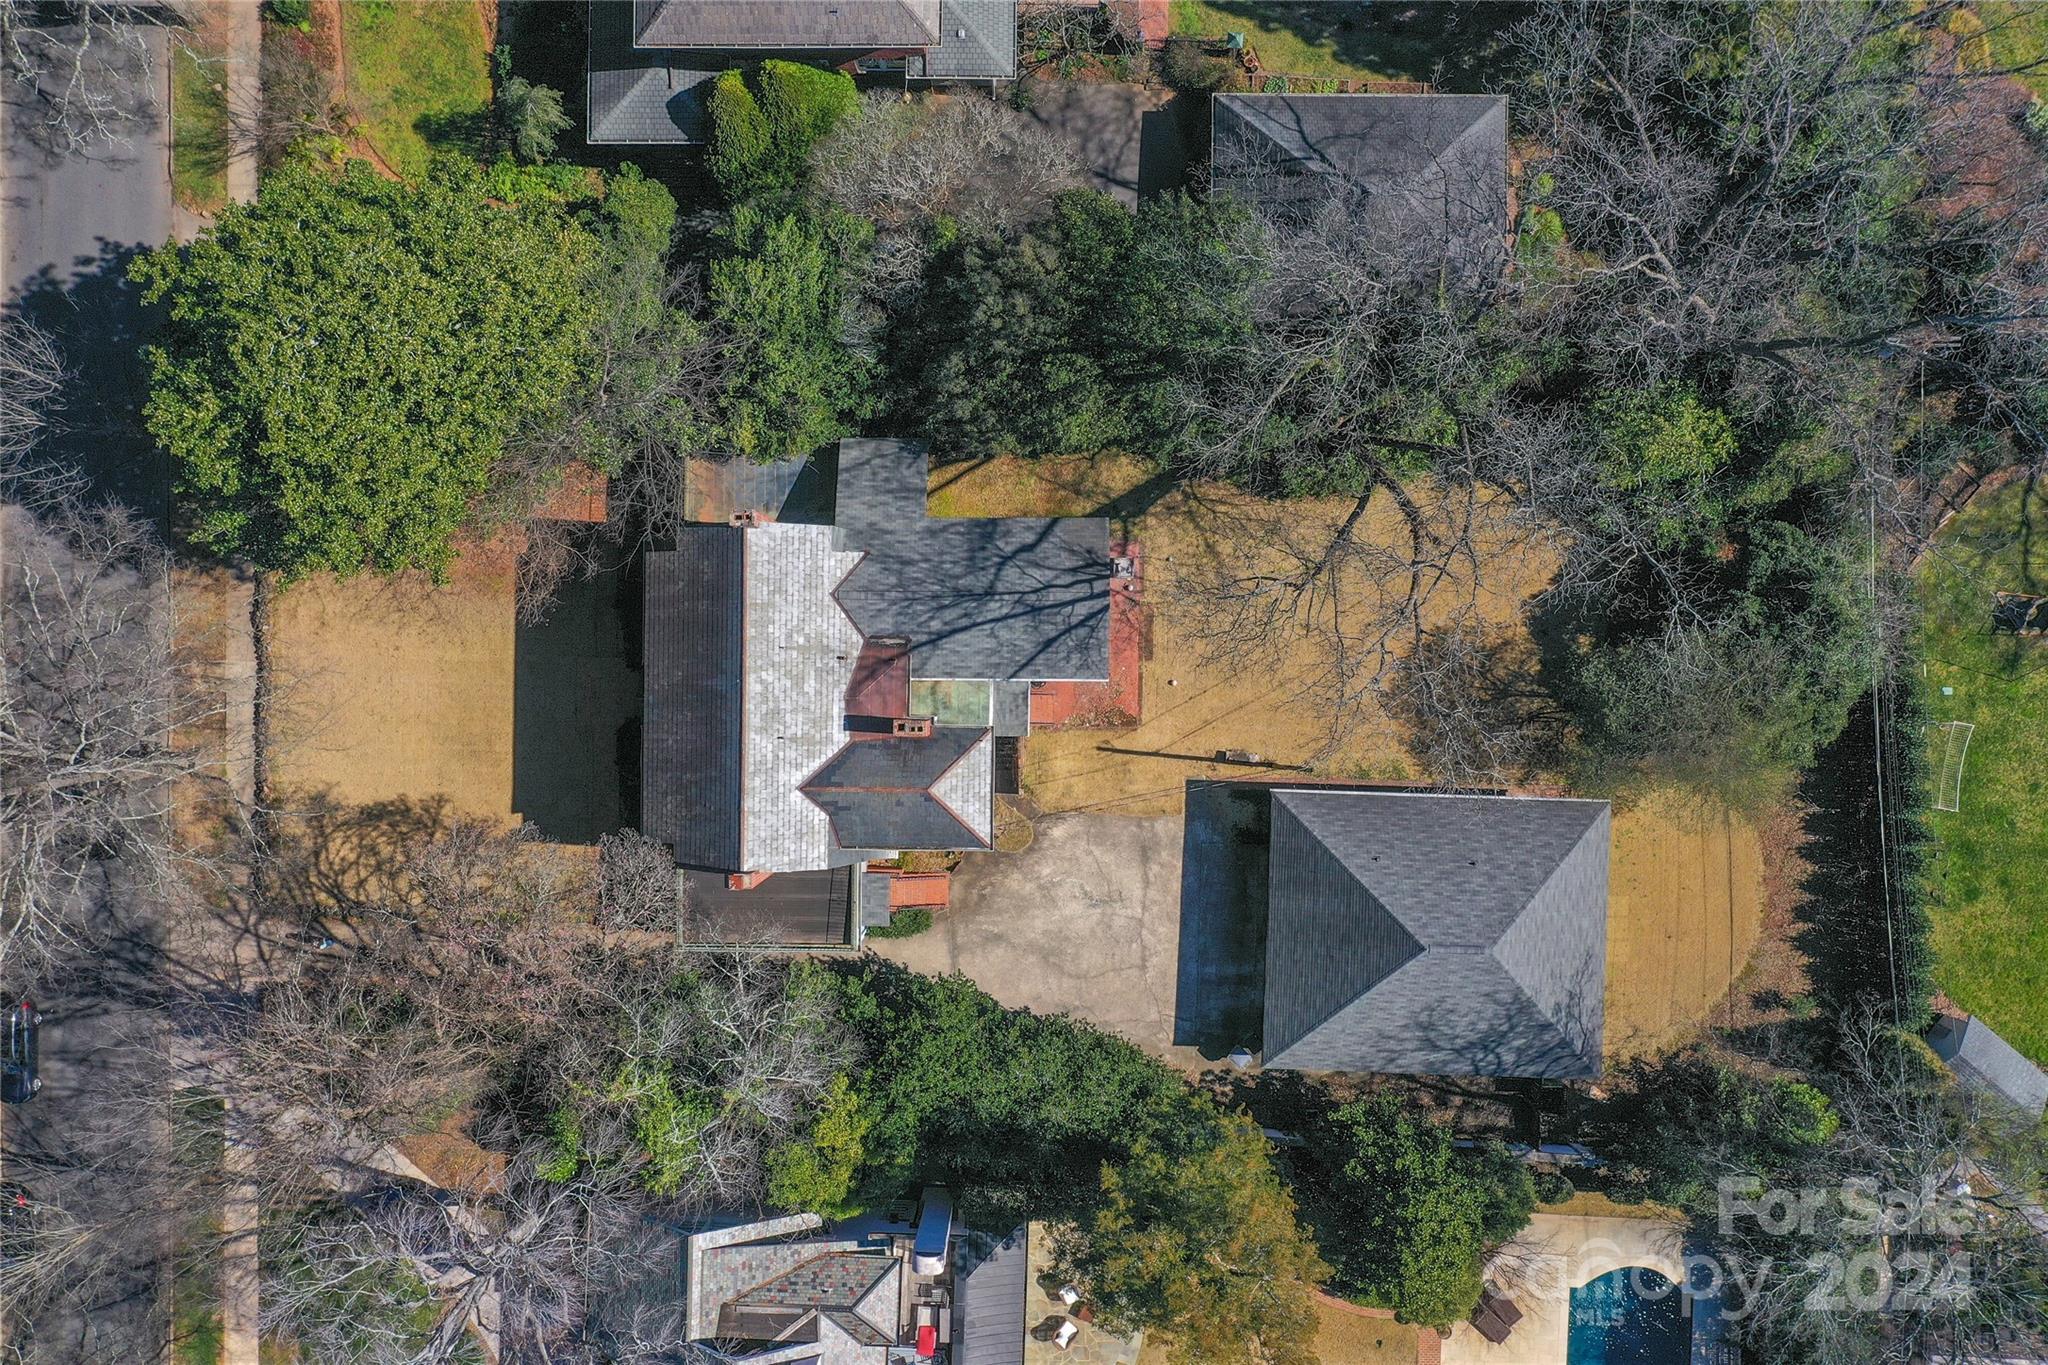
651 62
1420 168
821 694
789 1290
1430 934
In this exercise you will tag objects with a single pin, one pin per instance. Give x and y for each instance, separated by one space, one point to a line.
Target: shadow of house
1402 932
1220 978
1125 136
576 694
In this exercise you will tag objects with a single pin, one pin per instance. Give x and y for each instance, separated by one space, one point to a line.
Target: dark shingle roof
977 42
1436 935
785 23
991 1282
636 96
838 1285
988 598
1431 167
927 793
695 608
1982 1058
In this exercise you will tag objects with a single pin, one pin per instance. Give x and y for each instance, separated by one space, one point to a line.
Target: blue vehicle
18 1079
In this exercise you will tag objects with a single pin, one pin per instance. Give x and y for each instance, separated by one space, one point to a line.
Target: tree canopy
343 359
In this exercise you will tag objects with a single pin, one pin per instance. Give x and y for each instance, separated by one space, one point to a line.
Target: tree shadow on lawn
1455 45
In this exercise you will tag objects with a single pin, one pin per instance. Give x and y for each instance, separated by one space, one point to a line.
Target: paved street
69 224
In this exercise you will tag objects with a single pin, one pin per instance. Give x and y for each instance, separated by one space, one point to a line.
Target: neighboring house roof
785 23
985 598
977 42
930 793
991 1281
637 96
1431 167
854 1291
1436 935
1981 1058
748 659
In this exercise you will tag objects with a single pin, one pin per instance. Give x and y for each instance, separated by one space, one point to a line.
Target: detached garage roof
1431 168
1436 935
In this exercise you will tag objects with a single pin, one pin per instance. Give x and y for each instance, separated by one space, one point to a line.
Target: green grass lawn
1991 911
199 130
419 77
1453 44
2017 31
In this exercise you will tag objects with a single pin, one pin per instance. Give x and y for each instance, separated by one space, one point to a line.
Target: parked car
18 1079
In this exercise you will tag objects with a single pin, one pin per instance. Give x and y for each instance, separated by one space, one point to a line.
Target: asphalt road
69 223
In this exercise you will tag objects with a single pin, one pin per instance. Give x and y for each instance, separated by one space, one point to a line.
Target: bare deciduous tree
32 375
95 692
85 71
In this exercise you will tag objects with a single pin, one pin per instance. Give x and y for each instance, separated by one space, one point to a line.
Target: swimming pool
1629 1317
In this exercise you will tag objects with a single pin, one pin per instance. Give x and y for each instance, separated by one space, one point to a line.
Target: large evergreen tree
343 359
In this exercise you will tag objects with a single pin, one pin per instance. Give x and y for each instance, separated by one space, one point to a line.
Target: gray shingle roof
932 793
636 96
977 42
690 727
991 1282
985 598
1982 1058
1430 167
785 23
1436 935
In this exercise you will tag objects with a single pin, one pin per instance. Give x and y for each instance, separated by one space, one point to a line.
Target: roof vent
959 33
911 727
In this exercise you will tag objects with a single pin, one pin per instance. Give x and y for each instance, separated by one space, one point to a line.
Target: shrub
529 118
739 138
802 104
1554 1187
816 1173
296 14
1190 70
911 920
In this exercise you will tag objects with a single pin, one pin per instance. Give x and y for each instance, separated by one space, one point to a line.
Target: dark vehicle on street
18 1079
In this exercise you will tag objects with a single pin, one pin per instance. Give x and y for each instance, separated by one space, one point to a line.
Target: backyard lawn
419 77
1991 915
1356 39
1686 877
2017 31
199 127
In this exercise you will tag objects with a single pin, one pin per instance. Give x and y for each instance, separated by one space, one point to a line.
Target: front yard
418 77
1990 927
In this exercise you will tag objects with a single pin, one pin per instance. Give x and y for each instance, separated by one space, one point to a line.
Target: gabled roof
1427 167
748 660
987 598
863 24
930 793
637 96
1981 1058
853 1290
1436 935
977 42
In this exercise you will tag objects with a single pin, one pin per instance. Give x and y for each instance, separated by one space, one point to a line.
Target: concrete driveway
1084 922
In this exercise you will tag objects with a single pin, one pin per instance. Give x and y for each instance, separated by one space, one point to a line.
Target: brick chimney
746 881
911 727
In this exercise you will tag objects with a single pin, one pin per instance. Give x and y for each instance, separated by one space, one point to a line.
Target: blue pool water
1613 1324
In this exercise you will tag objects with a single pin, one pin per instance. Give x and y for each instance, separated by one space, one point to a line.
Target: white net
1951 741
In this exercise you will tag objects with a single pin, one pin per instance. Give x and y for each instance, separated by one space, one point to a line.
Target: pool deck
1556 1254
